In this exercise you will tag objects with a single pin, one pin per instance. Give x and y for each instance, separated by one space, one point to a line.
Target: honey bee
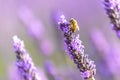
74 24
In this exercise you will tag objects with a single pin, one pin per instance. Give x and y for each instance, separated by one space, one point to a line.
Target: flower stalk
24 63
75 49
112 8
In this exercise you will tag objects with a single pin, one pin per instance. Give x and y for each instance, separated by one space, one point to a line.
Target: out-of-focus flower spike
46 44
51 71
98 40
24 62
76 50
112 8
36 30
113 58
34 26
109 54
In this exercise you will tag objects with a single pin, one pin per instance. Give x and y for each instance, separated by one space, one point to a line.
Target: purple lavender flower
113 59
109 52
24 63
76 50
45 43
98 40
34 26
36 30
112 8
51 71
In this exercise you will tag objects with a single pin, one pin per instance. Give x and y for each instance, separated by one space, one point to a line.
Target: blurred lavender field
36 21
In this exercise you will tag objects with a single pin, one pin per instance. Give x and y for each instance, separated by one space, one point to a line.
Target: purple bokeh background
89 14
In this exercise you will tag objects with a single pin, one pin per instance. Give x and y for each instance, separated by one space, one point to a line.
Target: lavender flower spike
112 8
76 50
24 63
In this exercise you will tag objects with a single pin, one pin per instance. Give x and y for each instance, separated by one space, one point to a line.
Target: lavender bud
112 8
24 63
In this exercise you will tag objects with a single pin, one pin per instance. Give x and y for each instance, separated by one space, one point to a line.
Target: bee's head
72 20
